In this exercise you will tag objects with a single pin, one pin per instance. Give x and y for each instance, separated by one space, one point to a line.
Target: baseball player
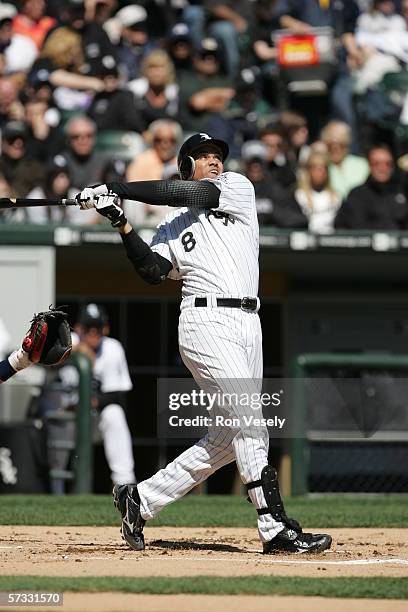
210 242
112 380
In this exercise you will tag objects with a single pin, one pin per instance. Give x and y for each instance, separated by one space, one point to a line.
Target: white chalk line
263 561
10 547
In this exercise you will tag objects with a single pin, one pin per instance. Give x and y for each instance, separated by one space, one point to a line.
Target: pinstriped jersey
214 250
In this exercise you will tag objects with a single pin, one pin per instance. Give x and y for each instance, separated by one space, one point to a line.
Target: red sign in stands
298 51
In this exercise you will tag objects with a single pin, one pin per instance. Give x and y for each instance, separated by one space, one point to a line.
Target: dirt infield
99 551
96 551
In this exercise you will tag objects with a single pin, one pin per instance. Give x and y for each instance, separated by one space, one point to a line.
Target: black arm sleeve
151 266
6 371
197 194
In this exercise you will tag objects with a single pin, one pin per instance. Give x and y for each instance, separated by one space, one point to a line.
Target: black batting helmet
93 315
185 161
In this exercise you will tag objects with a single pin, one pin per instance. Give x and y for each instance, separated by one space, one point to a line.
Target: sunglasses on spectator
381 162
82 135
159 139
13 139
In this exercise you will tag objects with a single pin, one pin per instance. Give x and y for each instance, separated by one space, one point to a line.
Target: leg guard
270 488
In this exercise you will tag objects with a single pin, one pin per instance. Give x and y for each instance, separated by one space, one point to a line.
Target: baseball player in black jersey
210 242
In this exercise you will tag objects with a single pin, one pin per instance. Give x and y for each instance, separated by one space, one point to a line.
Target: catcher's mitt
49 338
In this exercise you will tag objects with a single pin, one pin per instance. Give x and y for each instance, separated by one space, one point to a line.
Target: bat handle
68 202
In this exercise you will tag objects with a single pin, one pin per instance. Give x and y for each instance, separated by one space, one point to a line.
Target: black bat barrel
10 203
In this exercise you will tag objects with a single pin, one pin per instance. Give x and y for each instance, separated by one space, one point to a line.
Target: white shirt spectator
321 215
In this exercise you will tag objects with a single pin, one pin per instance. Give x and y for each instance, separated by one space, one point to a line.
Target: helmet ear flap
186 168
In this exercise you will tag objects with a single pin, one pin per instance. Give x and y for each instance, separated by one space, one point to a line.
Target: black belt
246 303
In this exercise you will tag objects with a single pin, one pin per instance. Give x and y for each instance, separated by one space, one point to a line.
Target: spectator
278 166
114 170
114 108
86 19
19 51
318 146
254 156
99 11
180 48
380 31
346 170
44 138
57 185
84 164
381 203
38 87
162 15
314 198
264 50
32 21
245 113
60 63
164 136
10 106
404 11
128 30
205 90
21 172
300 16
296 134
230 22
381 17
156 92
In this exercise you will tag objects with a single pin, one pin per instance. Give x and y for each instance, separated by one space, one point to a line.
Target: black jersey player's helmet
185 159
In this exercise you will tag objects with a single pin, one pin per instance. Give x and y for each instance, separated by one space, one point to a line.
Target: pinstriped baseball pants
222 348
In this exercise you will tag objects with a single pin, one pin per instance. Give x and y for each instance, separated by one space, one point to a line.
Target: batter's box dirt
186 545
99 551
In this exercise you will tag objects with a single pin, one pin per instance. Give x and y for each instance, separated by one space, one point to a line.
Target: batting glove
109 207
88 196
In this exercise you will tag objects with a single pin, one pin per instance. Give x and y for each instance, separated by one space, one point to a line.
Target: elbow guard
151 267
150 271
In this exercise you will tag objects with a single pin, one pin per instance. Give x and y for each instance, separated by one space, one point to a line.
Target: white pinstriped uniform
216 256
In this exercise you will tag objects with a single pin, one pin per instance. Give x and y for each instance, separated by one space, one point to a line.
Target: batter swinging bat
23 202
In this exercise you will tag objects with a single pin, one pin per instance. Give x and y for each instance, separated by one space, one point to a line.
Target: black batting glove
109 206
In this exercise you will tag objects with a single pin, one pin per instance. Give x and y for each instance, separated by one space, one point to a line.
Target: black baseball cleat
291 541
126 499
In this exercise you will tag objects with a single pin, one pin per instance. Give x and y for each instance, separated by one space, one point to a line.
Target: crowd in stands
311 95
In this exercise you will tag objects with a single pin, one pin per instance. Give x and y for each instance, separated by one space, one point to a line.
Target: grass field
207 511
196 511
372 588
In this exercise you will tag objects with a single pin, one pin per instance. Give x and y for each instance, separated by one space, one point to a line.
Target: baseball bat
23 202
